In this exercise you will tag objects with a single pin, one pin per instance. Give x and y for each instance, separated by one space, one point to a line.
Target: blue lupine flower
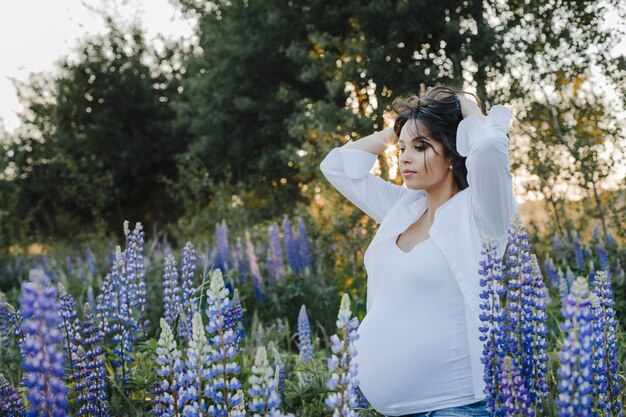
193 382
595 234
563 285
603 256
134 269
188 296
304 249
170 365
304 336
514 395
551 271
569 277
92 264
44 361
233 317
606 362
9 325
224 389
223 247
275 264
537 352
592 271
558 246
70 325
95 403
343 382
114 311
578 251
10 403
254 268
291 246
610 239
171 292
575 374
492 318
241 262
264 398
280 365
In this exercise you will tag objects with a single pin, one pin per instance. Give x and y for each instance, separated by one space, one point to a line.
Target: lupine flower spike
343 381
225 388
263 392
170 365
576 370
608 383
10 403
304 336
44 361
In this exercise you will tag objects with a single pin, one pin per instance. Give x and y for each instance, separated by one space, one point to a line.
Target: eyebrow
422 138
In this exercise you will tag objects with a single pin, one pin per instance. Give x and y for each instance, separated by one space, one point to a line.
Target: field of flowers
150 331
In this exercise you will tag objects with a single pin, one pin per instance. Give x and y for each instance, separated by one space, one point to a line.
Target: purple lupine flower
9 325
10 403
492 318
96 396
114 312
608 383
69 326
592 271
578 251
233 317
304 249
280 366
44 361
224 388
291 246
170 365
558 246
275 264
92 264
610 239
241 261
514 395
254 268
569 277
563 285
575 374
343 382
304 336
134 269
189 300
193 382
263 391
551 271
538 359
603 256
171 292
223 247
595 234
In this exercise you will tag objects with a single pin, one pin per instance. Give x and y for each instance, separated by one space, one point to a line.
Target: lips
405 172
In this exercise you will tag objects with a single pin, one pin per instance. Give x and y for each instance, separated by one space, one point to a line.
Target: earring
450 166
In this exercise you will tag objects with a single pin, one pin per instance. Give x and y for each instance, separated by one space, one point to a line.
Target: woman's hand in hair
469 107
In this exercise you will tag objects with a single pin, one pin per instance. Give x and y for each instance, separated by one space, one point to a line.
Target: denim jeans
478 409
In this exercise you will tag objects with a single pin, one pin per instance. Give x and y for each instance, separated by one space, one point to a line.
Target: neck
437 196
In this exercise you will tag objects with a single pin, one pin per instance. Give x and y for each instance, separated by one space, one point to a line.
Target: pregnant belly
397 357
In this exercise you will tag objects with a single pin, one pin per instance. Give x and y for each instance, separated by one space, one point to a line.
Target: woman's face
419 153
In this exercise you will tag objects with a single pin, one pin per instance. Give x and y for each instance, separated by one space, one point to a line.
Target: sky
34 34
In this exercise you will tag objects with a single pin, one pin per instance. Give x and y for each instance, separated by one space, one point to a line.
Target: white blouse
412 351
460 225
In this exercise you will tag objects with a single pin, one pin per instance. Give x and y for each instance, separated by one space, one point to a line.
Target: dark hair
439 111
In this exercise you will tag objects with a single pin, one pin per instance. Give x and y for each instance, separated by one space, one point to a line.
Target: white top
460 225
418 315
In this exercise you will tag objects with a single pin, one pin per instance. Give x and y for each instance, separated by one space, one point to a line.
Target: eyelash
420 148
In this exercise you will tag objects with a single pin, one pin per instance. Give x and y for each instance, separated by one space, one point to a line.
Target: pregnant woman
418 351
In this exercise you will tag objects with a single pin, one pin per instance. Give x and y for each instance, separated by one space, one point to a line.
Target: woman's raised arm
484 141
348 167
